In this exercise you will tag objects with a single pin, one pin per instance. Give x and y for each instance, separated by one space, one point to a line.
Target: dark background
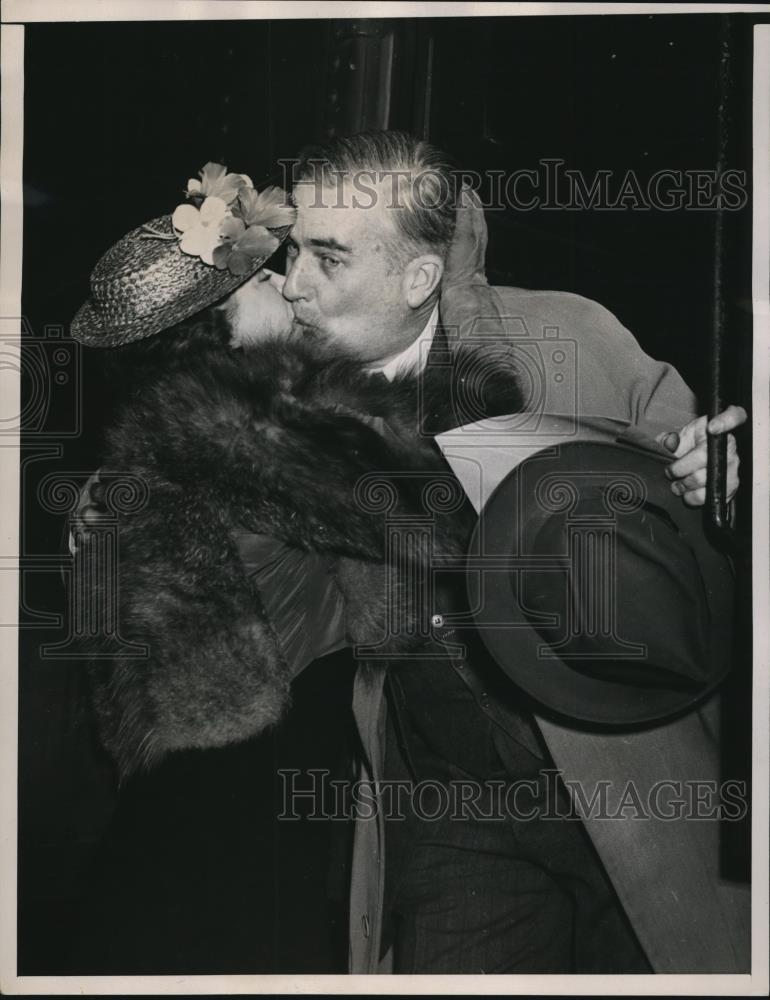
186 870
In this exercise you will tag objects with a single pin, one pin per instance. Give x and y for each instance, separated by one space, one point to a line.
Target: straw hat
176 265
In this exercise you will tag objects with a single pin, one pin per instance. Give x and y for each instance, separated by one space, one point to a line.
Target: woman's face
257 309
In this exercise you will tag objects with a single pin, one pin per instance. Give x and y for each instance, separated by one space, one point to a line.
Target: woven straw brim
144 285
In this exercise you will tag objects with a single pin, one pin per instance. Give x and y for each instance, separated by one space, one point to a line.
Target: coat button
437 621
365 924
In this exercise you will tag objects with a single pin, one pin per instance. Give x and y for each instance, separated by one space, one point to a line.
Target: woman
254 550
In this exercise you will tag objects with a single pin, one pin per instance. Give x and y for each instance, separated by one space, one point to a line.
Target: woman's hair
205 331
129 366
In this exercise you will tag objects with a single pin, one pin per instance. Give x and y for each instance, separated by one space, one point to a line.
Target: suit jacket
666 872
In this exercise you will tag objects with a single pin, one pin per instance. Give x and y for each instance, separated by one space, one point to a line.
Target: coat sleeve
601 371
606 373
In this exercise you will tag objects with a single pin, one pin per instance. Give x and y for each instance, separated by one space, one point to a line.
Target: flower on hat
245 236
228 223
264 208
215 182
241 245
199 228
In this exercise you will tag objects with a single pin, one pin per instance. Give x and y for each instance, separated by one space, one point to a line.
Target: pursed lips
301 320
305 327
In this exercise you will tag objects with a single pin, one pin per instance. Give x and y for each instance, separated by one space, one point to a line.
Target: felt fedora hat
173 266
597 590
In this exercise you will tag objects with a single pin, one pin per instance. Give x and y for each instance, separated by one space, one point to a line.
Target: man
365 262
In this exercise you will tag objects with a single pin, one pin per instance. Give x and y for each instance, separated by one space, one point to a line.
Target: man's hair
418 177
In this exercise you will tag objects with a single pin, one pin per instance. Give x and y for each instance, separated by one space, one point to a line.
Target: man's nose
296 285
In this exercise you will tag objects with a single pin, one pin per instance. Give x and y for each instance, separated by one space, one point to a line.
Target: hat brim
522 652
165 287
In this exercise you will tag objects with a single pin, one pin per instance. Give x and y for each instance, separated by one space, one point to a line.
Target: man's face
340 276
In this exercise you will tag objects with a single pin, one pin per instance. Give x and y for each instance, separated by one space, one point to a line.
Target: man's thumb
670 441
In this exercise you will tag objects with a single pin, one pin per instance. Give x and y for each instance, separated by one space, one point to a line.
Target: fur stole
273 440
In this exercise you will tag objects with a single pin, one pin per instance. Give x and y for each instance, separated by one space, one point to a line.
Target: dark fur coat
274 441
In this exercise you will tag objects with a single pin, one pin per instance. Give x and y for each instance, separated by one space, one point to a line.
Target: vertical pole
716 484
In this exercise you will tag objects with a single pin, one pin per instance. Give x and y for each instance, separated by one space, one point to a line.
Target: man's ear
422 277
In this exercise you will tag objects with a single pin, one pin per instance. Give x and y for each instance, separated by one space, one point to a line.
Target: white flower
215 182
200 229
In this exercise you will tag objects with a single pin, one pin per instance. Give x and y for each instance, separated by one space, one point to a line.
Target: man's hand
466 258
689 445
469 305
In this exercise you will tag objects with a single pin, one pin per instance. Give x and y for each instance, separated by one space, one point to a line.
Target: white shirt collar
414 357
